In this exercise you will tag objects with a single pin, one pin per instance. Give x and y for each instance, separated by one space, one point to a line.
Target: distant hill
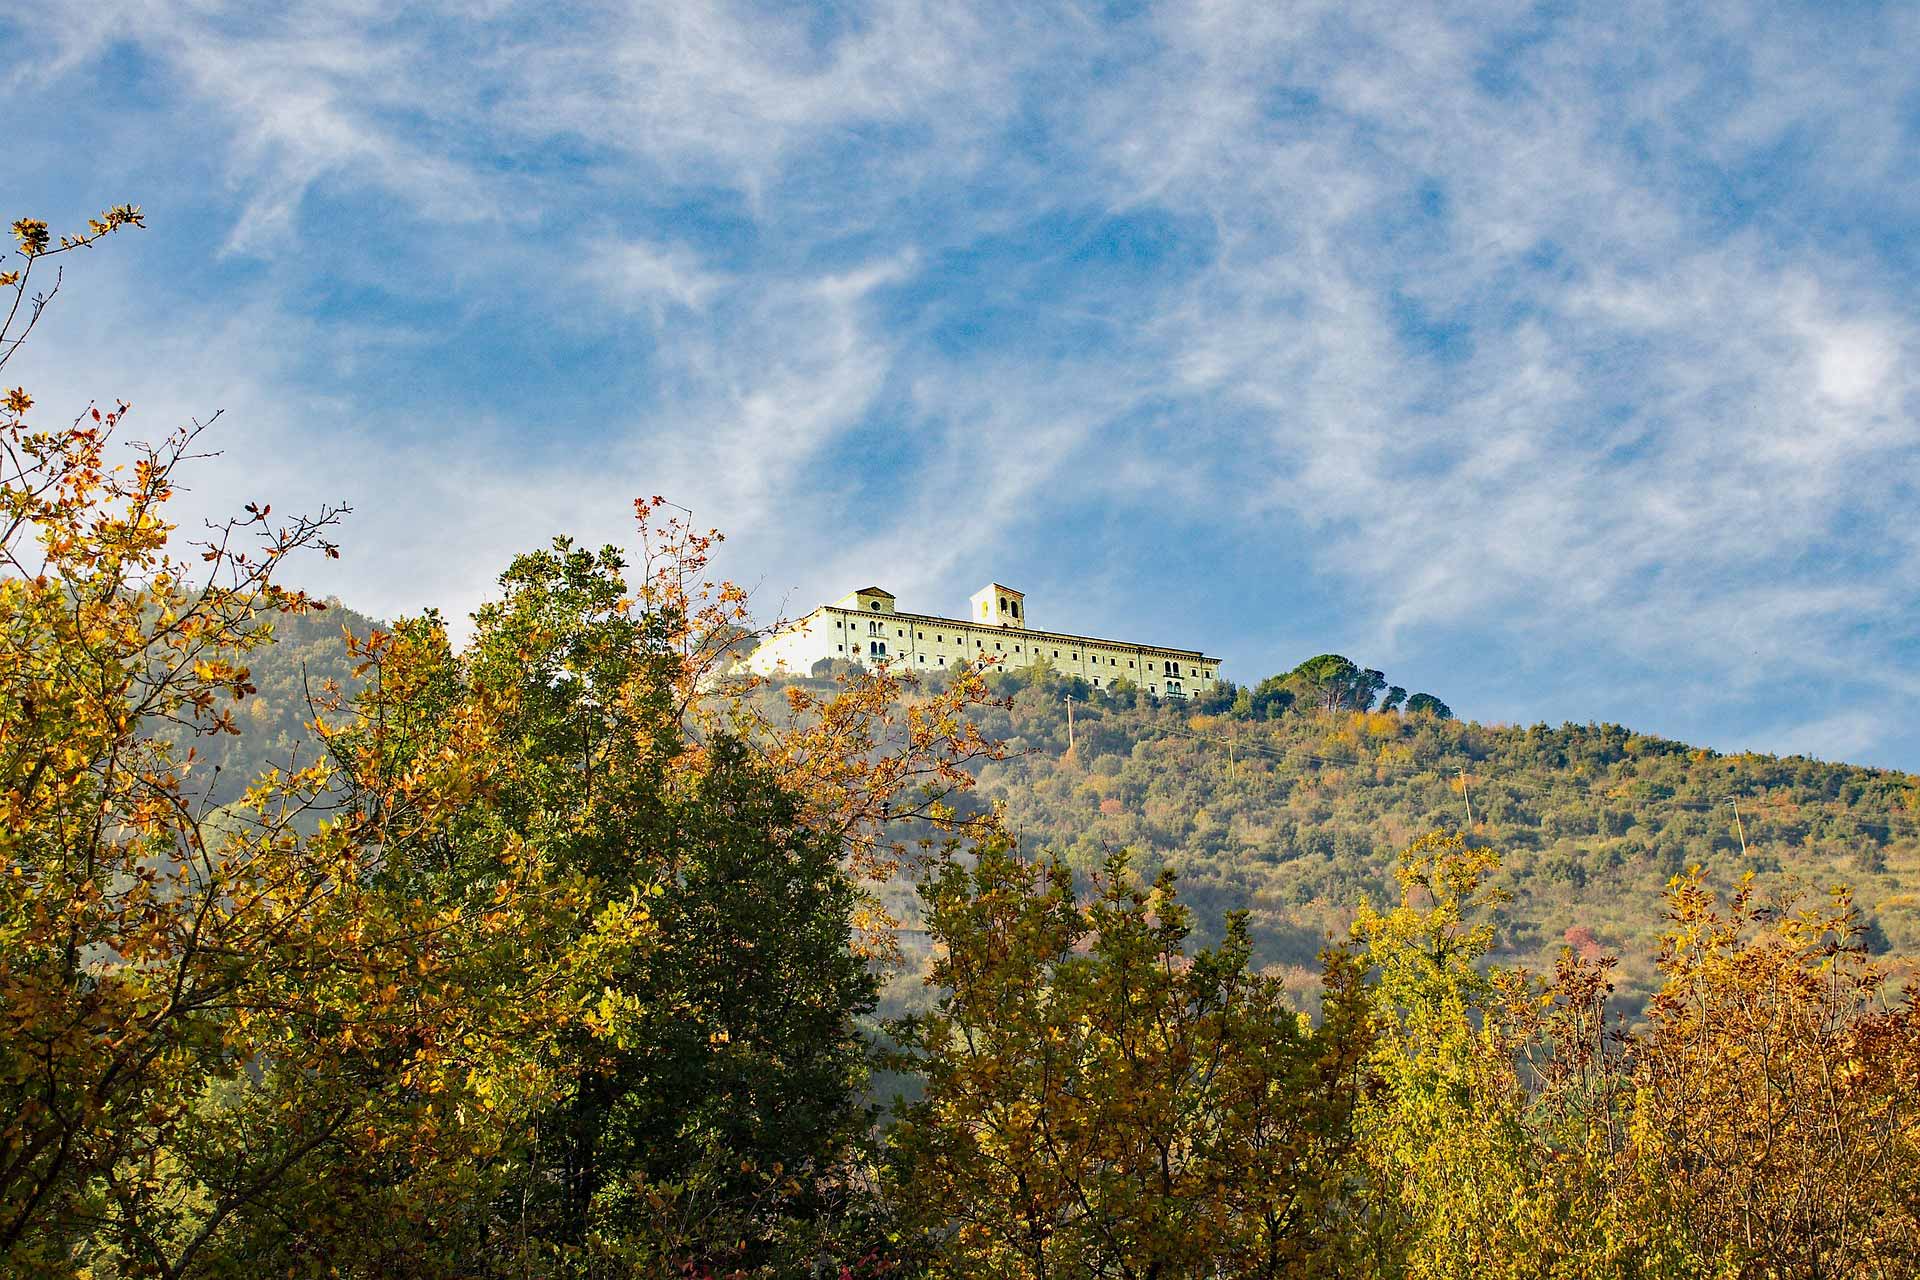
1298 816
307 651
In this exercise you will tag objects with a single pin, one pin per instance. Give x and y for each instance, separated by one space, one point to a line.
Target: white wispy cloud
1578 328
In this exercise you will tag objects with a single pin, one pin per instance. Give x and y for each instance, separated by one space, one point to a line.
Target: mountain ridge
1292 809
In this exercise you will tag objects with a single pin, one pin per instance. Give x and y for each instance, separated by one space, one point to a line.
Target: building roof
873 591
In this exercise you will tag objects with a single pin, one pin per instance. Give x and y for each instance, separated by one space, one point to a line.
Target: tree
1099 1102
1425 704
1333 683
1776 1126
1121 693
707 1099
1270 698
208 1010
1395 696
1469 1173
1326 680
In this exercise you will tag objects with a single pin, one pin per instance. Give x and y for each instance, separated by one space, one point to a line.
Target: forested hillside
1294 809
569 956
304 667
1298 817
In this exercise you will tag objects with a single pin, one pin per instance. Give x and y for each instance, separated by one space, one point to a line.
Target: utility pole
1069 724
1464 791
1739 826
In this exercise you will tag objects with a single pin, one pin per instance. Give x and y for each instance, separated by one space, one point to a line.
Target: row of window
878 649
1168 667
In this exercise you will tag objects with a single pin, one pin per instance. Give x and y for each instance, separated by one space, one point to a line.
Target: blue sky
1557 358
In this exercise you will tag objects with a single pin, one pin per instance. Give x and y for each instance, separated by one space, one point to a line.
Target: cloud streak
1565 356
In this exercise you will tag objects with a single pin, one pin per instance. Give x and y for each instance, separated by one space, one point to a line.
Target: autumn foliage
558 953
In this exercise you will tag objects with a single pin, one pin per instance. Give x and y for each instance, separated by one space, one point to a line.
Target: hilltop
1297 818
1285 800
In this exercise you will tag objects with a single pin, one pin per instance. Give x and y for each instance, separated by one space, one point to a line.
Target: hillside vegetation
1297 818
1294 810
560 960
302 667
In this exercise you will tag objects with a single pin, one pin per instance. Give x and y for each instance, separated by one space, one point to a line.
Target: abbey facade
866 628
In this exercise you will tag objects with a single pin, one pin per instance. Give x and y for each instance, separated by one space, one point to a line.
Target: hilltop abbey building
865 627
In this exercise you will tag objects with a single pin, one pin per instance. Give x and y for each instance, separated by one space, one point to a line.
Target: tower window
874 605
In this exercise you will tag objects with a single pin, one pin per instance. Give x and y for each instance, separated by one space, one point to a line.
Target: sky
1559 359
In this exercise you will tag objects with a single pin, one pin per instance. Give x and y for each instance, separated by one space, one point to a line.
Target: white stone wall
927 643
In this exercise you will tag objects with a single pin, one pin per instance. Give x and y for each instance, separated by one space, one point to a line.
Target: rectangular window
842 648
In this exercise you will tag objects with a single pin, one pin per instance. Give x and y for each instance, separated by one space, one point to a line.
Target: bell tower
996 606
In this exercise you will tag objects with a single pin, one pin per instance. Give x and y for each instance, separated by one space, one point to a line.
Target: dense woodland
559 952
1293 810
1297 818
